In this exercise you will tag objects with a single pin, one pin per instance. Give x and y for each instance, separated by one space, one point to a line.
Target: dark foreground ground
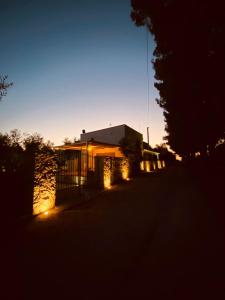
156 237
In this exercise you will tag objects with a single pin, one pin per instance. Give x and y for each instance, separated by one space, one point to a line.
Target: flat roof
150 151
112 127
83 144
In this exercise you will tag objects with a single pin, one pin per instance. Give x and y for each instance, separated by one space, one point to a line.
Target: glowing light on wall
159 164
124 168
44 183
107 173
147 166
154 165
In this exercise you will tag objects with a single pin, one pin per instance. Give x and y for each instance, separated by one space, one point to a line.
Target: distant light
128 179
46 213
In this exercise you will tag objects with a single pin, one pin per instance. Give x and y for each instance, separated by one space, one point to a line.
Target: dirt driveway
155 237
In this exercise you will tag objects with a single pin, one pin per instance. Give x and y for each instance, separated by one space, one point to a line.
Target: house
100 158
103 156
96 151
112 135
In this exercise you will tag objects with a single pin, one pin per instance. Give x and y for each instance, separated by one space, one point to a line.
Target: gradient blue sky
75 65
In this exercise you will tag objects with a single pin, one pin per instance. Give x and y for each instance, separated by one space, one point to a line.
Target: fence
70 175
59 176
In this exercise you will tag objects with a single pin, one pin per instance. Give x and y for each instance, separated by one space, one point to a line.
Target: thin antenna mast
147 70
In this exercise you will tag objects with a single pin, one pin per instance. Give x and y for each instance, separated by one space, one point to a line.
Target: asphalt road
155 237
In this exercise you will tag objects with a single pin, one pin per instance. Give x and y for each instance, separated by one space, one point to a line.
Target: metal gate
69 176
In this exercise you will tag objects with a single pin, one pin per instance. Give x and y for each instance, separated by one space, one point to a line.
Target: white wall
111 135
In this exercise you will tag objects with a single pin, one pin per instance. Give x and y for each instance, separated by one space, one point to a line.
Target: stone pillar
108 171
125 168
44 182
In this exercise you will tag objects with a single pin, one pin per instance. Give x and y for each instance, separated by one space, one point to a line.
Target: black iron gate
68 176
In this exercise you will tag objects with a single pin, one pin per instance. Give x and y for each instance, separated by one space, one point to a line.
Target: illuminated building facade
99 157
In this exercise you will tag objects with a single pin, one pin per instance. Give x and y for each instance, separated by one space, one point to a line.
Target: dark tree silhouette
14 148
132 149
67 141
165 154
4 86
33 143
189 63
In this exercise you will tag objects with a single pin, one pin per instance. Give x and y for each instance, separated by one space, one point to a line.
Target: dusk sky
75 65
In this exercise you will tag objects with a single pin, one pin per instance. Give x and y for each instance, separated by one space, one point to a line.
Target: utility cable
148 86
147 62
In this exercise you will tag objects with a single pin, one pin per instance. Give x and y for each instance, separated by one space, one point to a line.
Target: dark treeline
14 147
189 63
